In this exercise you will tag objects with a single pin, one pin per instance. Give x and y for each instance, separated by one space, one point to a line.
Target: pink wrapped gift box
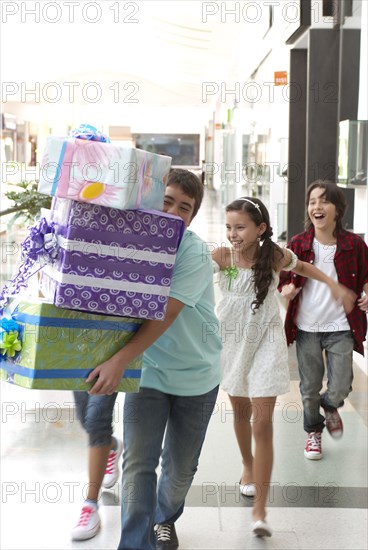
118 262
103 173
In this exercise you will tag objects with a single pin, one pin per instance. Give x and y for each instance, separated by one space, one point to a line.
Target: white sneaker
112 471
248 490
261 528
88 525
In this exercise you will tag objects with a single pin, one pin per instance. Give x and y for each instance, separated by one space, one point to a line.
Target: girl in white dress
254 356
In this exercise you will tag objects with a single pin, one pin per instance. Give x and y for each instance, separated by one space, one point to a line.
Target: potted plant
27 201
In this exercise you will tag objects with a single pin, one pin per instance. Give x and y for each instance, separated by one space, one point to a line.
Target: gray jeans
338 347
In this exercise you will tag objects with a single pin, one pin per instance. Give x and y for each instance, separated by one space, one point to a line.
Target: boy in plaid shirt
314 319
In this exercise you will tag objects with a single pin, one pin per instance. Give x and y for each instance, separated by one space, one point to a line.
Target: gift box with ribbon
87 167
118 262
45 347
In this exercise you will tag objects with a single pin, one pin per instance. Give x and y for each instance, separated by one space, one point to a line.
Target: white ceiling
167 54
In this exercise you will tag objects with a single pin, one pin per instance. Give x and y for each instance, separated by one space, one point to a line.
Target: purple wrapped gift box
118 262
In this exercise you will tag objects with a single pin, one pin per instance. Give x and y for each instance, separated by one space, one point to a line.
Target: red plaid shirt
351 264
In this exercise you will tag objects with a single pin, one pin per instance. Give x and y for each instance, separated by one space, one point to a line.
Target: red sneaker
334 423
313 448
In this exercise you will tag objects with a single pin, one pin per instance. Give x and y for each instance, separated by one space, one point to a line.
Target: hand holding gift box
87 167
56 349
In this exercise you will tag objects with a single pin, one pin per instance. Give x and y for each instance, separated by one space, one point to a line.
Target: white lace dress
254 354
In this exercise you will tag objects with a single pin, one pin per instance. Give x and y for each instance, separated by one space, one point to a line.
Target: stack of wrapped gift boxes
105 255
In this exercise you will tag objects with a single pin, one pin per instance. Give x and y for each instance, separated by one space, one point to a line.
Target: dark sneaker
313 447
166 538
334 423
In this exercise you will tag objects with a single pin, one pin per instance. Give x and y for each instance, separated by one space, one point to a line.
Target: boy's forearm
306 269
109 373
147 334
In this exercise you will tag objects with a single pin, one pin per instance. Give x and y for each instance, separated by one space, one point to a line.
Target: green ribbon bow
231 272
10 344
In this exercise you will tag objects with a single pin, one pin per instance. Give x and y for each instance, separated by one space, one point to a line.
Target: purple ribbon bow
41 243
39 247
85 131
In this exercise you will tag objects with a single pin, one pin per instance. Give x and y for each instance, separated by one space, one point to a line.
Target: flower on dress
231 272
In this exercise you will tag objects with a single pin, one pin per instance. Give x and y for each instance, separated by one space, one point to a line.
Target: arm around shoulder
287 261
285 265
338 291
221 257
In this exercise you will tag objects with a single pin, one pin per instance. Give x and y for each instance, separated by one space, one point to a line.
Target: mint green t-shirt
185 360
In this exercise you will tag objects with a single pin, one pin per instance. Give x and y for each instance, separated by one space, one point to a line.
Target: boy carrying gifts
83 224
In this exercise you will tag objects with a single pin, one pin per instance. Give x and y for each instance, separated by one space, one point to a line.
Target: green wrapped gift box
60 347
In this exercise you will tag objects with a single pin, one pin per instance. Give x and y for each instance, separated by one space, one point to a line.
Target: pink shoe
88 524
112 471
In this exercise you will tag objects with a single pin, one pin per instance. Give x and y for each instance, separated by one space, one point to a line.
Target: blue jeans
147 415
338 348
95 413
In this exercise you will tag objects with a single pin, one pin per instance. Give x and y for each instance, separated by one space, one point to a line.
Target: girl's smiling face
241 230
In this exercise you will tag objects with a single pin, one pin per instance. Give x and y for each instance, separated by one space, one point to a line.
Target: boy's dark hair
264 265
334 194
189 183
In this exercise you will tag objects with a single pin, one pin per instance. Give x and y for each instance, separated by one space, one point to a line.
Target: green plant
27 201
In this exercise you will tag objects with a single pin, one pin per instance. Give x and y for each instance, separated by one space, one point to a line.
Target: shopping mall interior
259 99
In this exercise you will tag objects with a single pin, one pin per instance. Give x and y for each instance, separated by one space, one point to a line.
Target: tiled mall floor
320 505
